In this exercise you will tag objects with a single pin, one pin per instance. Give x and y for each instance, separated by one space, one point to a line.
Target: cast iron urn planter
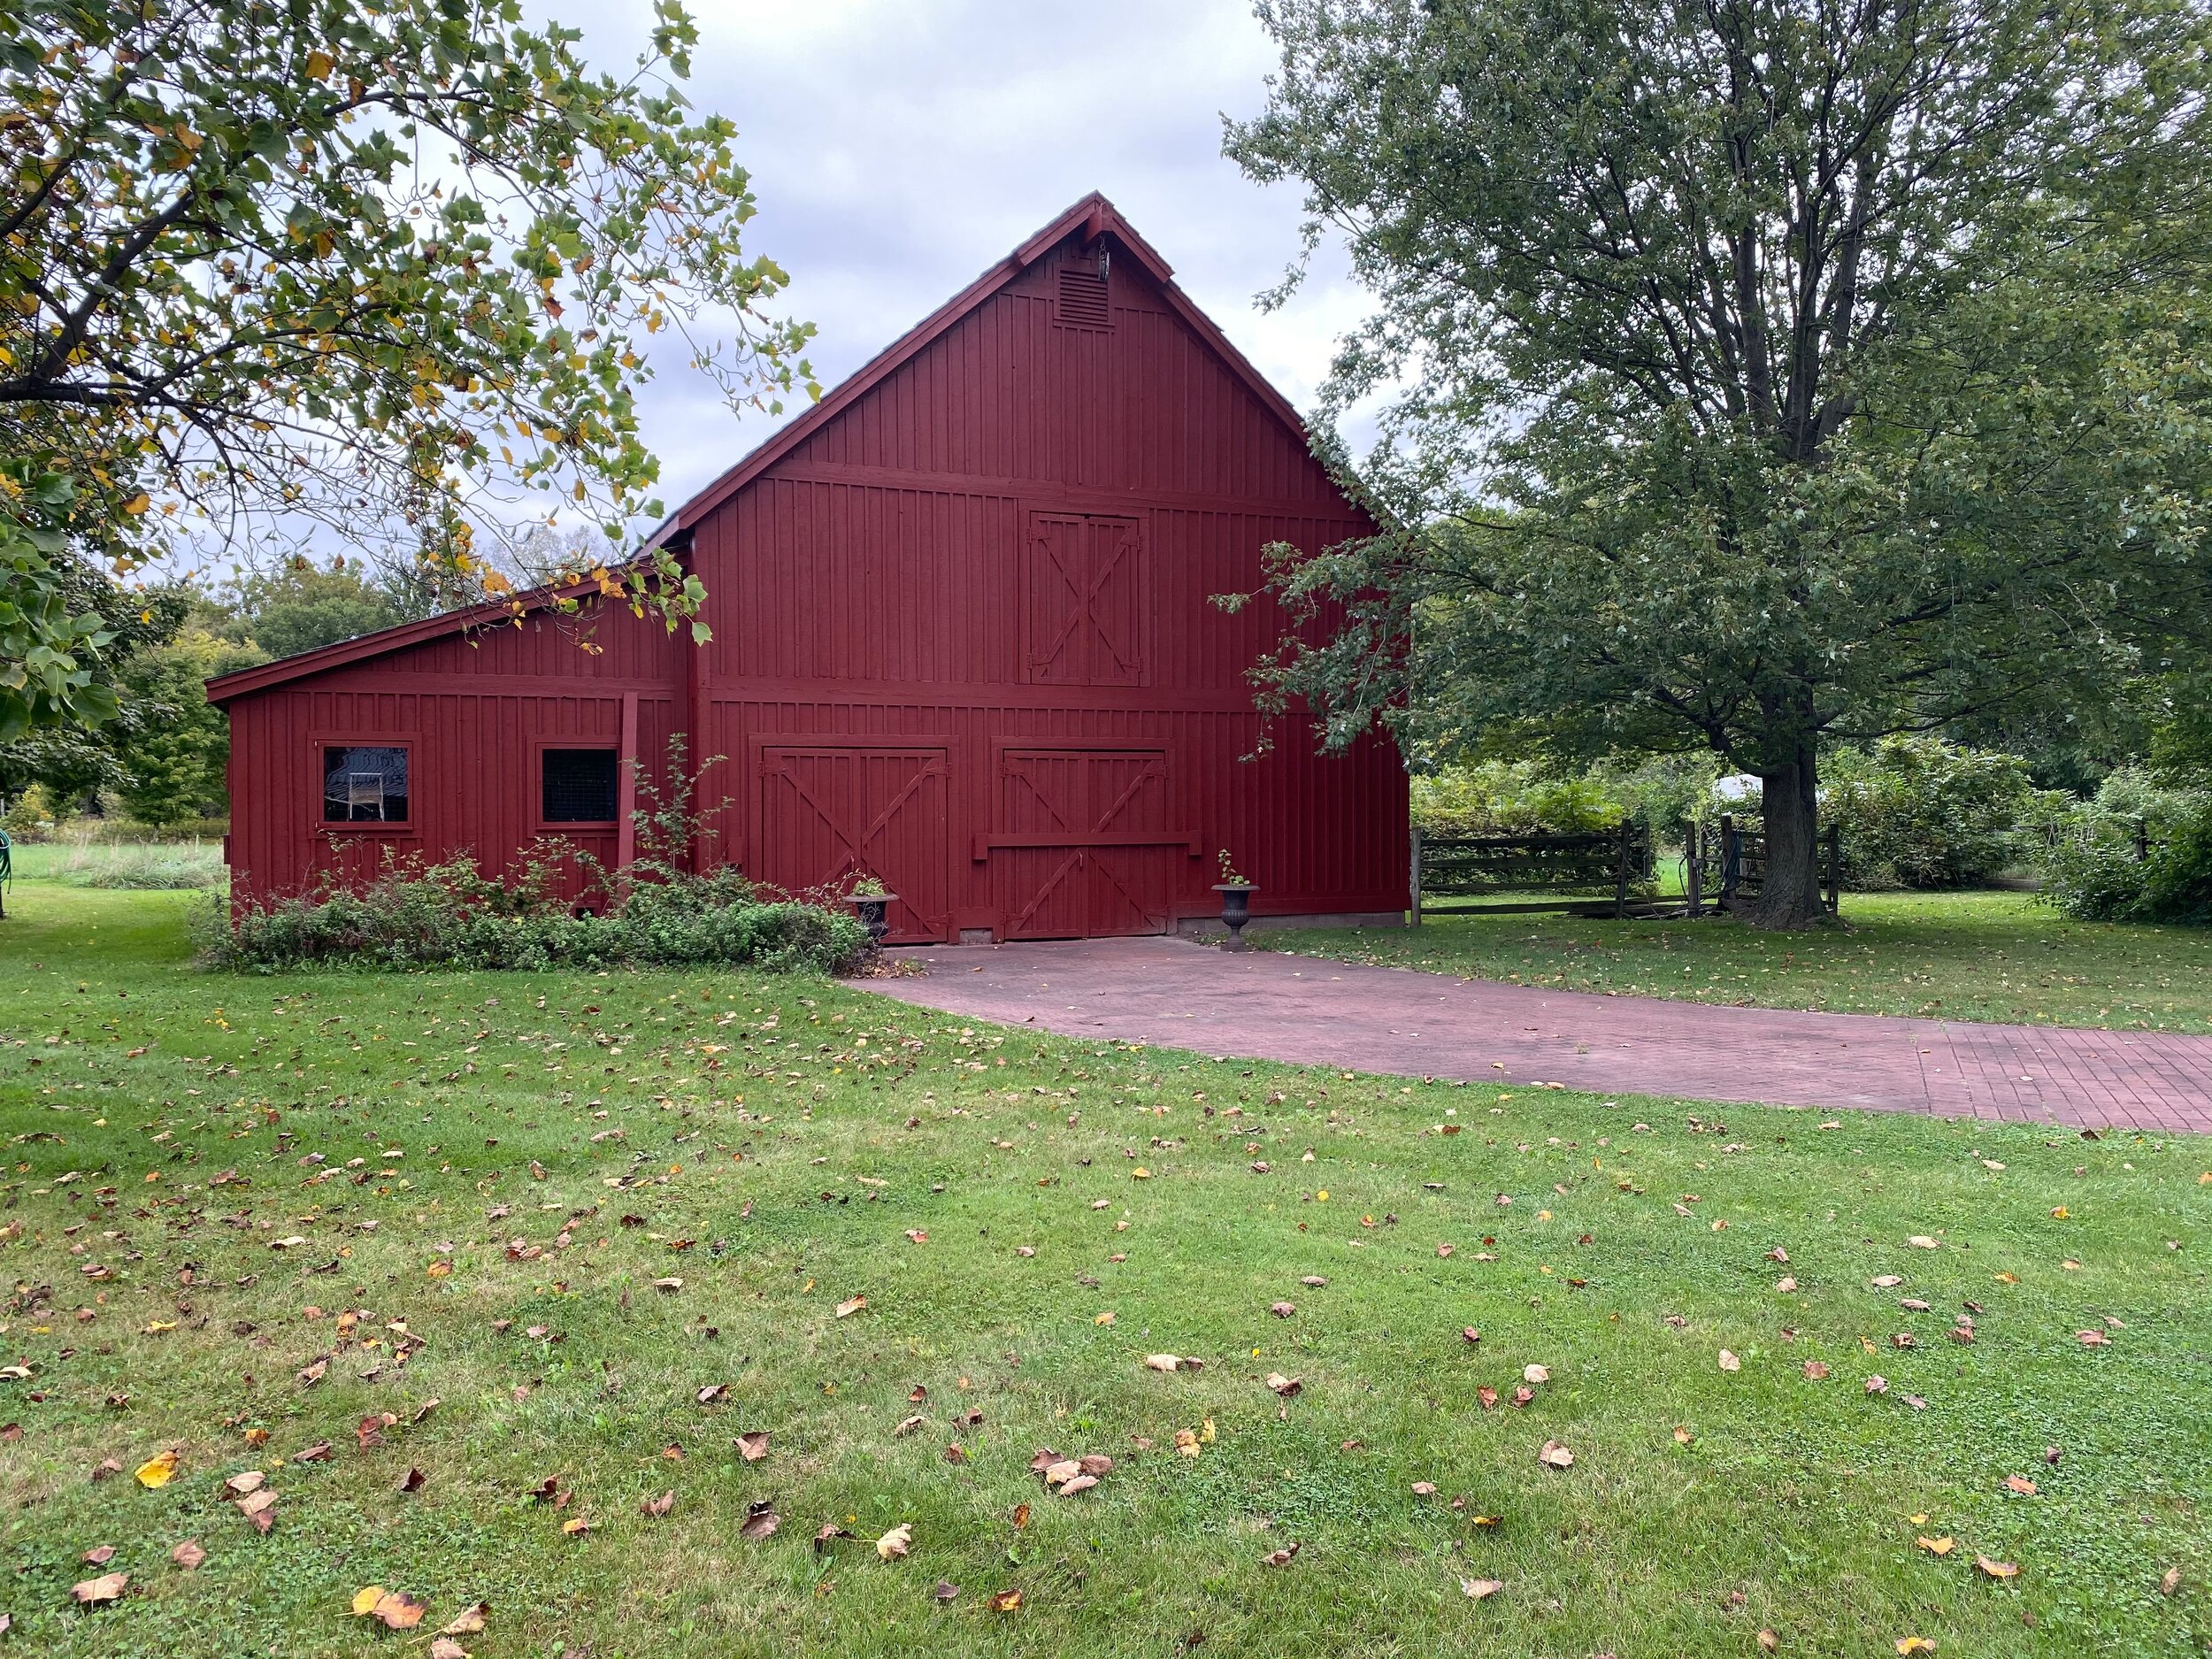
1236 909
873 910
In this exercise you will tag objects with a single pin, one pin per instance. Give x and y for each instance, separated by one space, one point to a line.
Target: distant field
2002 956
193 863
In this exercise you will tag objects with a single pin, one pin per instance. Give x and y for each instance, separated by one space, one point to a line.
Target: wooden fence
1590 874
1738 859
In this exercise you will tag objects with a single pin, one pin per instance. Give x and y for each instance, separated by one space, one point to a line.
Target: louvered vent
1082 299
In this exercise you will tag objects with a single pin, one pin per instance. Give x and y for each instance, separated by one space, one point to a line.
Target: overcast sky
899 147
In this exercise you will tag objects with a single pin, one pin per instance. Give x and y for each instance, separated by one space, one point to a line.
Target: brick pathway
1300 1009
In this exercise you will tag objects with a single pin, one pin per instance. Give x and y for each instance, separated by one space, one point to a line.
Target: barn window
1081 299
364 784
578 786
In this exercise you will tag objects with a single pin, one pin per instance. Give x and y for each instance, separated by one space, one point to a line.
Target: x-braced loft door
832 813
1085 623
1086 850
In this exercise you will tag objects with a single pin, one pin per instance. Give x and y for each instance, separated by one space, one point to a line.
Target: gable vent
1080 300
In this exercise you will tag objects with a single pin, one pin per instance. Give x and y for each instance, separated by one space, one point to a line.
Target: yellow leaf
365 1598
1997 1569
158 1470
319 65
1911 1645
1936 1546
137 503
439 1270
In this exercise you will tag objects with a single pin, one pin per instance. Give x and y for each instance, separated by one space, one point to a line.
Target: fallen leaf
1425 1488
1911 1645
2020 1484
1682 1436
761 1520
188 1555
1556 1455
158 1470
412 1480
1877 1384
260 1508
1286 1386
1938 1546
1006 1601
1535 1374
100 1556
1768 1641
946 1591
659 1506
1170 1363
1729 1362
1472 1337
907 1425
1480 1589
712 1393
575 1526
1786 1283
1996 1569
446 1647
2093 1339
1282 1310
469 1620
894 1544
845 1309
106 1587
1281 1557
1922 1242
238 1485
2170 1581
1816 1370
753 1444
1080 1483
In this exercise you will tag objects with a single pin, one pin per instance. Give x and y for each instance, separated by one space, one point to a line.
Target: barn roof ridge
1094 215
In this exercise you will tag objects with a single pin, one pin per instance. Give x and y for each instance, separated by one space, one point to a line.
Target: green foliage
2098 877
392 266
301 605
157 868
49 648
1511 797
450 915
1776 376
1919 812
175 757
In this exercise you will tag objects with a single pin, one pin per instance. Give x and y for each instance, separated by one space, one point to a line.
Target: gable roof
1093 218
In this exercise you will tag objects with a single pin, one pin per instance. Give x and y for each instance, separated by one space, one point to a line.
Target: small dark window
579 785
1083 298
364 784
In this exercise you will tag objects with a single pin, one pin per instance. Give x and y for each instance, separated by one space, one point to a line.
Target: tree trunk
1789 893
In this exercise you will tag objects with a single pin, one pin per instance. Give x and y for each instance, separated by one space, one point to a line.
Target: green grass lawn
1951 955
248 1216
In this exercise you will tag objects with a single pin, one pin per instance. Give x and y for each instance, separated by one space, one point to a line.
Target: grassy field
1953 955
609 1225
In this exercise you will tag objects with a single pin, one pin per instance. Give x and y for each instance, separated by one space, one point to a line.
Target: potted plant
871 903
1236 902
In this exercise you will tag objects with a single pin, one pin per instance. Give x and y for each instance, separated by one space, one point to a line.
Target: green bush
1919 812
1511 797
450 915
2096 876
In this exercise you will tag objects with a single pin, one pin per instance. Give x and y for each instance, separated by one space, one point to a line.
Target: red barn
962 642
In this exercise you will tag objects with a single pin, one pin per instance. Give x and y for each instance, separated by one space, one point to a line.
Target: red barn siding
962 639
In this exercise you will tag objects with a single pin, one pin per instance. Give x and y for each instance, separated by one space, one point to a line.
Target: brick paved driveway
1266 1005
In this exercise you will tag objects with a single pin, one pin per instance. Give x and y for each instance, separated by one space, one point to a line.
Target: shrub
1918 812
448 915
2096 876
1511 797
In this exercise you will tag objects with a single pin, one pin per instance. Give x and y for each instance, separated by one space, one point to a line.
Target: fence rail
1591 874
1738 857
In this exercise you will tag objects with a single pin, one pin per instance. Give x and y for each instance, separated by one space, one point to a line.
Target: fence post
1620 880
1729 864
1414 874
1693 871
1835 870
2142 839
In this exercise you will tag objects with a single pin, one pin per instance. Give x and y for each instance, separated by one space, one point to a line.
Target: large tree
1755 374
390 266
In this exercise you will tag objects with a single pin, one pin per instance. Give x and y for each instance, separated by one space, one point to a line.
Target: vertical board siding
869 595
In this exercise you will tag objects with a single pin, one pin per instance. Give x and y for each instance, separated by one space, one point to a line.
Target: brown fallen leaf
907 1425
1281 1557
318 1453
1682 1435
469 1620
1996 1569
575 1526
260 1508
894 1545
247 1481
659 1506
1729 1362
753 1444
412 1480
1472 1337
846 1309
1486 1397
106 1587
946 1591
1077 1483
446 1647
99 1555
825 1533
1006 1601
711 1393
1425 1488
1768 1641
1480 1589
1282 1310
2169 1581
1172 1363
1535 1373
2020 1484
2093 1339
188 1555
761 1520
1286 1386
1816 1370
1877 1384
394 1610
1556 1455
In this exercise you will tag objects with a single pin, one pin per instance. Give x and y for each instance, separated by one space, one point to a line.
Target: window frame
409 827
542 825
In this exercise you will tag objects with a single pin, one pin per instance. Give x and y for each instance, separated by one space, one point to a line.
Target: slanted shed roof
1093 218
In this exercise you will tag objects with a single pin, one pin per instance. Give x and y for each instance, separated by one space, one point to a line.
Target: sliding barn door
831 814
1087 849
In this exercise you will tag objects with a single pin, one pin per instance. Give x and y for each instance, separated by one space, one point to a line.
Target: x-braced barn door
1086 621
1088 850
831 814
